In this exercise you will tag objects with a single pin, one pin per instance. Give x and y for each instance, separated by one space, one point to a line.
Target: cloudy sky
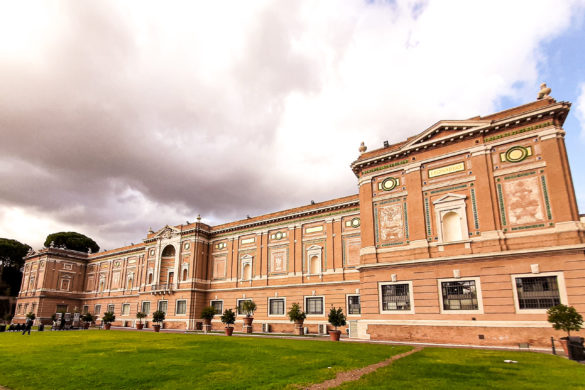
118 116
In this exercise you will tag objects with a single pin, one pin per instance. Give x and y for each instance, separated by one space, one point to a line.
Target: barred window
396 297
241 311
459 295
61 308
97 309
162 306
353 304
276 306
314 305
85 309
538 292
181 307
218 306
146 307
111 307
125 309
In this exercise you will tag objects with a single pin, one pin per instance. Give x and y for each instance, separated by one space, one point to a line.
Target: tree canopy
72 240
12 253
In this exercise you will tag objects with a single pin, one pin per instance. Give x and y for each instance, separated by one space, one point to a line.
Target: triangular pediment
444 130
450 197
166 232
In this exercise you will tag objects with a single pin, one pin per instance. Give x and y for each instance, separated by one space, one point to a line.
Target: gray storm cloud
124 117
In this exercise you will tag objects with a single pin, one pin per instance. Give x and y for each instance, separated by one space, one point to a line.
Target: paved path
354 375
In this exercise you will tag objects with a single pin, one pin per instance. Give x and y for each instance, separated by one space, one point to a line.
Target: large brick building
465 233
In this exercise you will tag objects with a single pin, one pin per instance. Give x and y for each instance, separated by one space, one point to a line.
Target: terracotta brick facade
464 233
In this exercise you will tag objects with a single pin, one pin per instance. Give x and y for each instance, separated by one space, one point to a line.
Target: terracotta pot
139 326
334 335
228 330
108 326
564 341
248 321
207 321
299 327
156 328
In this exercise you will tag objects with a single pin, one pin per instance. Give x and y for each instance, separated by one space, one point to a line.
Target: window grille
353 304
459 295
181 307
218 306
314 305
538 292
395 297
276 307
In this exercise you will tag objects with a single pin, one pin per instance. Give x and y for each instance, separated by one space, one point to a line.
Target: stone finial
363 147
30 252
198 217
544 92
89 251
52 244
150 231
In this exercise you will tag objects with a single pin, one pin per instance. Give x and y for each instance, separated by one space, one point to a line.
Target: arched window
315 265
169 251
171 277
150 278
247 272
129 284
452 227
184 274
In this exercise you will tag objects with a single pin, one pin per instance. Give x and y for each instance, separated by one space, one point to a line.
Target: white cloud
580 108
127 114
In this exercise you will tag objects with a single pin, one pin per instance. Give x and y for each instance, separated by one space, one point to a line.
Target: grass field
438 368
147 360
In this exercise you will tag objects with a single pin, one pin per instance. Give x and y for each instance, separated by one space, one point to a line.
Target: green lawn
437 368
143 360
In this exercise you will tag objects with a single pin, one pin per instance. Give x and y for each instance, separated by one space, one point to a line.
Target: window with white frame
181 307
217 306
85 309
241 311
61 309
396 297
537 292
353 305
146 307
162 306
97 309
111 307
276 306
125 309
314 305
460 295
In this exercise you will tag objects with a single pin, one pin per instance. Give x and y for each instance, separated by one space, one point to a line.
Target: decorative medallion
278 236
151 252
355 222
186 245
221 245
117 263
388 184
516 154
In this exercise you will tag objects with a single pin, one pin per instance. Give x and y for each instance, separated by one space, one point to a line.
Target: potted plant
248 307
336 318
140 315
108 318
563 317
87 319
297 316
158 317
228 318
207 315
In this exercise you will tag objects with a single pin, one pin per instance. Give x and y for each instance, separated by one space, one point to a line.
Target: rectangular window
240 308
181 307
61 309
85 309
33 307
314 305
125 309
353 304
162 306
538 292
396 297
97 309
111 307
459 295
276 306
146 307
218 306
